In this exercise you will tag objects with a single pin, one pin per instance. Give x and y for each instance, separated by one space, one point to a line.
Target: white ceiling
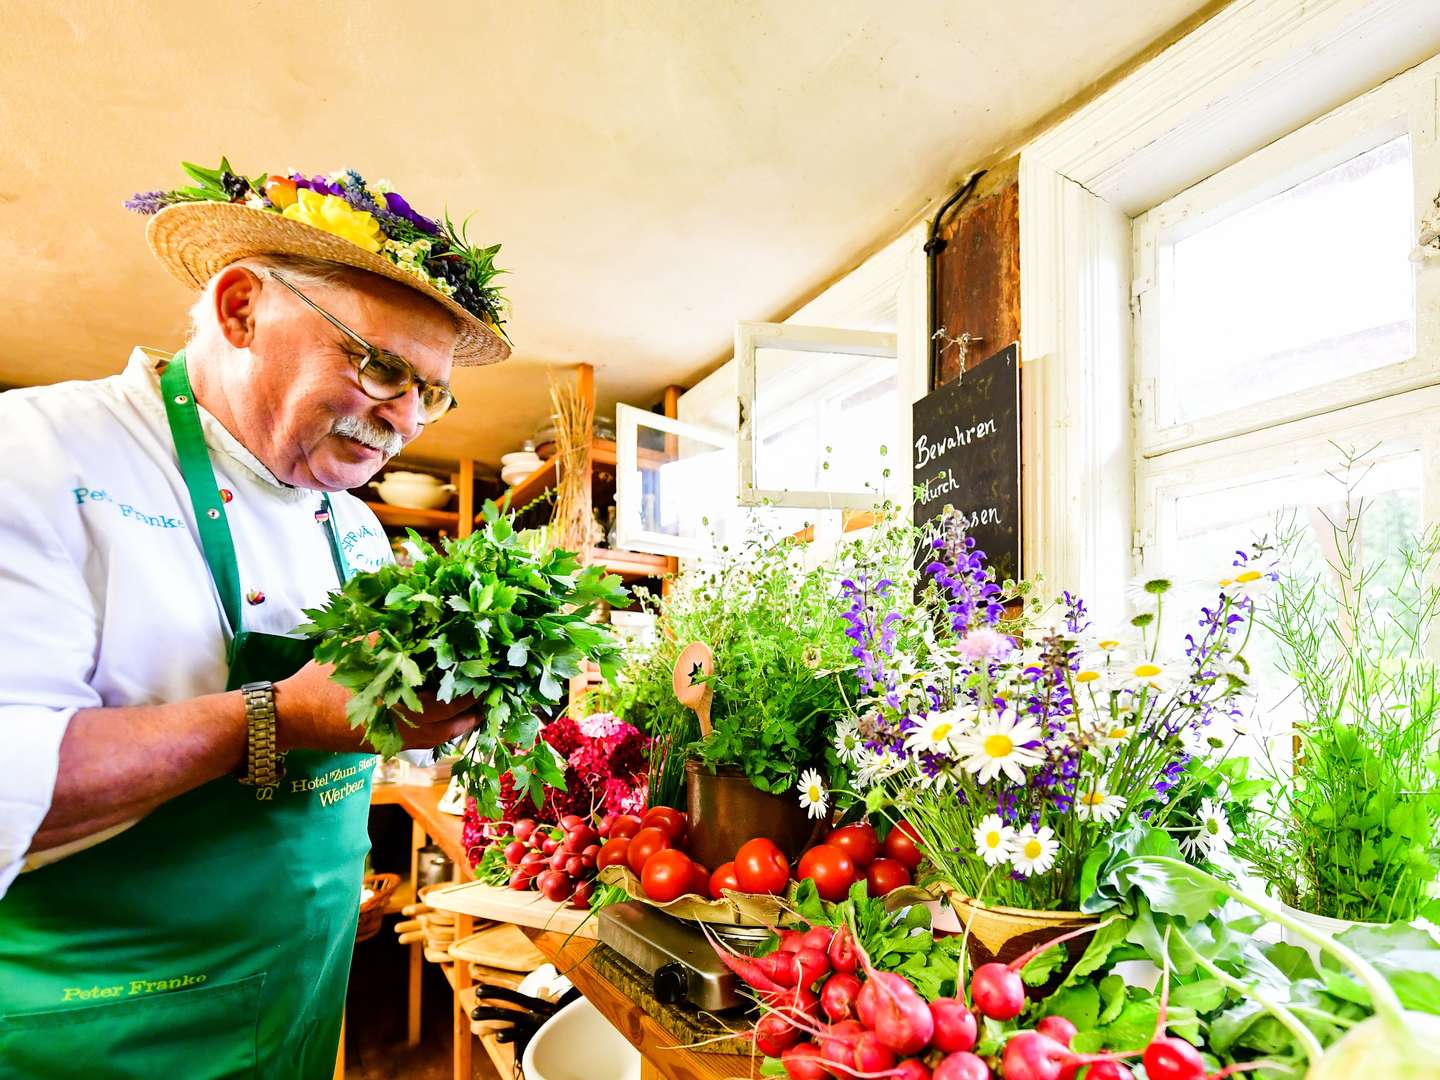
656 169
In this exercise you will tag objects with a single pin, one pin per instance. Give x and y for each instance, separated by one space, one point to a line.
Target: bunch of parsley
489 619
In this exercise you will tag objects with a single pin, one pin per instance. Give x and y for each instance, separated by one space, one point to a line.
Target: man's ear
236 292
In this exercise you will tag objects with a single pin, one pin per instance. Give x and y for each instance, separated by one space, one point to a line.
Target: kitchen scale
676 956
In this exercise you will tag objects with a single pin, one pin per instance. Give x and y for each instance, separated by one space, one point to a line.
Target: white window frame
1404 105
750 337
1253 72
629 496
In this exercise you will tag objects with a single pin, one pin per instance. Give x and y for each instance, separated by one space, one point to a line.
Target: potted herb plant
1351 833
1016 738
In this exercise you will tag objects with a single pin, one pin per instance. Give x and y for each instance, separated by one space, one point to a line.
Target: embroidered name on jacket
84 495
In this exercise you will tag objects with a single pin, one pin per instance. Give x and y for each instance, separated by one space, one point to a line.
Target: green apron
213 938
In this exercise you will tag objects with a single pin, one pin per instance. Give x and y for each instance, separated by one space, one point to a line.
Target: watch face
252 686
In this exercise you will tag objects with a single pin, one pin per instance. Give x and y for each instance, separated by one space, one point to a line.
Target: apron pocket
207 1032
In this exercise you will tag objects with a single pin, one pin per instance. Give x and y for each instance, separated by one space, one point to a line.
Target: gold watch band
263 768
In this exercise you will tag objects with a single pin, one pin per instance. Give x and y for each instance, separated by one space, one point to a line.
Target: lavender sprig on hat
369 215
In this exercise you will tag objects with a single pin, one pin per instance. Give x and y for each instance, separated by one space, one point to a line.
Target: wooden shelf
401 517
633 565
602 452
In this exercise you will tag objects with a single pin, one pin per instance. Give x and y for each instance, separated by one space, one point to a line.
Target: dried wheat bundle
571 522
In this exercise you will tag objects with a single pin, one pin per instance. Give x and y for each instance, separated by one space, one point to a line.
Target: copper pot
726 810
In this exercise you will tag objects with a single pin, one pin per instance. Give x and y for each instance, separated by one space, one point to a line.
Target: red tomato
760 867
857 841
699 881
666 874
723 878
624 826
614 853
644 844
664 817
830 868
886 875
903 844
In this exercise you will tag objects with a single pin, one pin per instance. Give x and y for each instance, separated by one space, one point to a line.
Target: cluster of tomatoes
653 848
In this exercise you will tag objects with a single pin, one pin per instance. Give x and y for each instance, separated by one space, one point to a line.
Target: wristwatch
263 766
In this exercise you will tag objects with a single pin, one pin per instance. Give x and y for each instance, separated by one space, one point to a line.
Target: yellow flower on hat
334 215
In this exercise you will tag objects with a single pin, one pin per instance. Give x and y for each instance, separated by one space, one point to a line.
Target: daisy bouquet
1014 735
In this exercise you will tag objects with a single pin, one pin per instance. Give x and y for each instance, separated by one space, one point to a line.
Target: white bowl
413 491
512 476
578 1043
518 458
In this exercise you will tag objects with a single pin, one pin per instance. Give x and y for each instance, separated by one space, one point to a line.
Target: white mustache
373 435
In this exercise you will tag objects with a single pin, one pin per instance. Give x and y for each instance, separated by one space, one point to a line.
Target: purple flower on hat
397 205
149 202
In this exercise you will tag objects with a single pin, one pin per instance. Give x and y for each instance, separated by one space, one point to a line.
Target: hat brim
196 240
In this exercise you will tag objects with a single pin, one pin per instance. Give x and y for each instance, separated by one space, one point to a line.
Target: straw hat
196 240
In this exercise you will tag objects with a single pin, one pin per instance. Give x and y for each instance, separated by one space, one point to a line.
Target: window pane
821 420
1211 526
1310 286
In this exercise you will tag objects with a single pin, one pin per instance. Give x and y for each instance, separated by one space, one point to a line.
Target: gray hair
204 335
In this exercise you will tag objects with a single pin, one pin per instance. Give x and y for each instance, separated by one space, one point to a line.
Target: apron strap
194 457
337 554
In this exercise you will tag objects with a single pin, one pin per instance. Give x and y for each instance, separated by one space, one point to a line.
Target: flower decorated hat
338 217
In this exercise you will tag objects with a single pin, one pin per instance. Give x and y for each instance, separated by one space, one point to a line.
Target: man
179 783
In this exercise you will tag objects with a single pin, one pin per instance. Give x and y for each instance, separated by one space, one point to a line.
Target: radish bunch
558 862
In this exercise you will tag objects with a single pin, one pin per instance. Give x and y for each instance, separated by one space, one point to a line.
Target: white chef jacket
105 596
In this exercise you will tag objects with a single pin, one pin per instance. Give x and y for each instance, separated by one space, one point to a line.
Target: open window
671 479
819 416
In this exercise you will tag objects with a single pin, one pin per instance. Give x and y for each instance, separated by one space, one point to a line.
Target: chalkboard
966 454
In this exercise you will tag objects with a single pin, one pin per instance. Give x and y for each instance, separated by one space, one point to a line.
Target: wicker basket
372 911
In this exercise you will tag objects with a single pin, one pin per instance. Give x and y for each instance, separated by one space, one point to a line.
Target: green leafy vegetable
487 619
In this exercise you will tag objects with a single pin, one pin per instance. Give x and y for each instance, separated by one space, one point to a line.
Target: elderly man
178 780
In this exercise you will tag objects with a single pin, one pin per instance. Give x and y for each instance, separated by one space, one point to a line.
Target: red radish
569 821
837 996
520 880
837 1042
1029 1055
802 1062
961 1066
842 952
583 892
1109 1070
774 1035
581 837
871 1054
1169 1058
955 1026
549 846
749 970
997 991
1058 1028
813 964
891 1008
523 828
779 966
911 1069
818 938
790 940
514 852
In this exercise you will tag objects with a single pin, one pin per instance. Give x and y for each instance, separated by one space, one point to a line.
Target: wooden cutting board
502 946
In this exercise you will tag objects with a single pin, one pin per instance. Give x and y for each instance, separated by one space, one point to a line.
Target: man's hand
310 714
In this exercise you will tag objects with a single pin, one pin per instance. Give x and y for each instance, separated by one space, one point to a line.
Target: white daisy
1245 581
997 745
992 840
937 733
875 767
1144 592
1109 644
1097 805
1157 675
1214 828
849 746
1113 729
813 796
1193 844
1093 676
1034 852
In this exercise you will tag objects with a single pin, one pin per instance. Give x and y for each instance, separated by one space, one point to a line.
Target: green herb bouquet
488 618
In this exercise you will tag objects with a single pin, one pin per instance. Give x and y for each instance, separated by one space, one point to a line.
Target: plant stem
1303 1035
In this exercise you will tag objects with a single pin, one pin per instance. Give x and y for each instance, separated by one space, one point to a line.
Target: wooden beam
585 382
671 401
466 505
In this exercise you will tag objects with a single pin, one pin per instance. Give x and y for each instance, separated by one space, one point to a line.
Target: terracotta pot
726 810
1003 933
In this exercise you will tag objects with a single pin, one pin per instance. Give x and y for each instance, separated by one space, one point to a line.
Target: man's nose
403 414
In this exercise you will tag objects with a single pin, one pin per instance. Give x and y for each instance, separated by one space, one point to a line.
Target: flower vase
726 810
1324 923
1000 934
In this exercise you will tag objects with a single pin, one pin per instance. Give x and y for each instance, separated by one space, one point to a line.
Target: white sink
578 1043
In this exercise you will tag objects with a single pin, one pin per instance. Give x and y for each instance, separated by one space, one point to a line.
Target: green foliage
492 868
488 619
1354 827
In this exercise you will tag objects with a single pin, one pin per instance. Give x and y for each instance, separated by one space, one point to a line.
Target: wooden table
656 1045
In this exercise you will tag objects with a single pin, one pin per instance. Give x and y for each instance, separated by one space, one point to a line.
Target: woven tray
372 911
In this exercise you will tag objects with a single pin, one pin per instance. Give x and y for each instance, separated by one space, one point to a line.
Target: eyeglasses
381 374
